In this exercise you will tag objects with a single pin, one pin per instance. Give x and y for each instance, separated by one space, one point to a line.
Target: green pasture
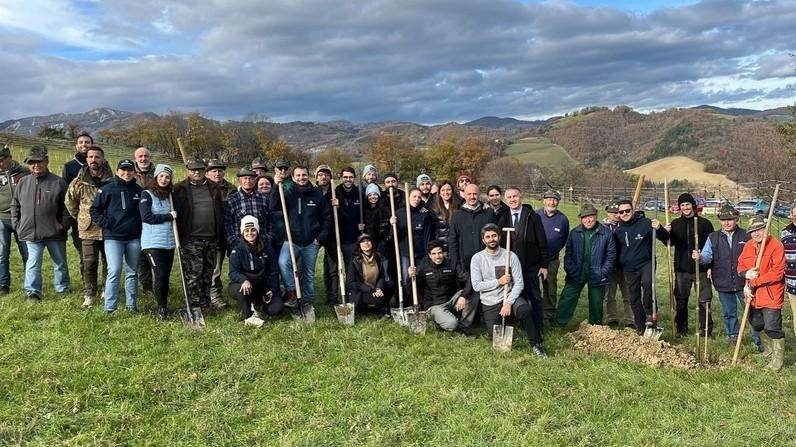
74 377
539 151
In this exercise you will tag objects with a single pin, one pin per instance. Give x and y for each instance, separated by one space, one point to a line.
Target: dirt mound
626 345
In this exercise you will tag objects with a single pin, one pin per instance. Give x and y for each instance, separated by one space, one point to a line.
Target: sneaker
110 312
88 301
162 314
3 291
259 315
253 321
33 298
538 349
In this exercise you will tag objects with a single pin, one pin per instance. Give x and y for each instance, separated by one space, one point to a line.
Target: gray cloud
419 61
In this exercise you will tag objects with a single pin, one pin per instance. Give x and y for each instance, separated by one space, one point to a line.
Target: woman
442 208
264 184
421 227
157 235
366 282
253 275
375 216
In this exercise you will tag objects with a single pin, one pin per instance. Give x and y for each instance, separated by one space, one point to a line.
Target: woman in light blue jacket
157 237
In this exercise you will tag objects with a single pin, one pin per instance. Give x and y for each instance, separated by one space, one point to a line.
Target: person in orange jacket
765 289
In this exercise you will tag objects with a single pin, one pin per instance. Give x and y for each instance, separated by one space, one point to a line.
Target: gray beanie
367 169
372 189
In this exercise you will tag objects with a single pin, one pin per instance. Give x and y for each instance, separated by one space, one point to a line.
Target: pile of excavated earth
626 345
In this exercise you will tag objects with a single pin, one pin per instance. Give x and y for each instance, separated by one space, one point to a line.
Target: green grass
74 377
540 151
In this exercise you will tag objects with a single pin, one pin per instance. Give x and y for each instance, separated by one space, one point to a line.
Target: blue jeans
730 309
306 257
118 252
5 252
57 250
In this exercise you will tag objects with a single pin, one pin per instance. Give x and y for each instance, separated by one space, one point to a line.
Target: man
617 278
70 170
331 277
464 237
370 175
246 201
680 234
424 184
348 204
556 228
399 195
216 170
10 174
282 174
310 220
720 255
259 166
143 175
200 227
461 183
444 290
494 195
788 239
765 288
633 239
589 260
489 277
530 244
79 198
40 218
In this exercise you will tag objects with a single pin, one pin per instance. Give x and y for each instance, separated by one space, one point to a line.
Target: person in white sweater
489 277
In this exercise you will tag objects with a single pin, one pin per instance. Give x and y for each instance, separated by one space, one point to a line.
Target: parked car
712 206
700 202
783 210
649 205
751 207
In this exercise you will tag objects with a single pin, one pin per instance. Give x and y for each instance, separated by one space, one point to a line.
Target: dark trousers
90 254
78 243
145 274
533 294
769 320
366 303
161 260
331 278
683 283
639 286
521 311
257 299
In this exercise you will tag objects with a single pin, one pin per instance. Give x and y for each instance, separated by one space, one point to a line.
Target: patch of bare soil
684 168
626 345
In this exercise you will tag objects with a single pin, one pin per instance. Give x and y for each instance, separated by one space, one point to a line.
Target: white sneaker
259 315
88 301
254 321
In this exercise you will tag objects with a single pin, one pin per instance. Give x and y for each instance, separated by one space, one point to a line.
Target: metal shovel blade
399 315
192 318
653 332
345 313
303 312
416 321
502 337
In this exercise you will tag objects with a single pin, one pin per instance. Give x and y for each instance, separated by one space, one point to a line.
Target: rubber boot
778 355
766 348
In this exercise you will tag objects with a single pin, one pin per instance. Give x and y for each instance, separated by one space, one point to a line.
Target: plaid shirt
239 204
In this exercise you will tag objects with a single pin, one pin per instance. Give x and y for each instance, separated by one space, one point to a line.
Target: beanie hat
372 189
463 176
686 198
369 169
422 178
323 168
163 168
249 221
390 175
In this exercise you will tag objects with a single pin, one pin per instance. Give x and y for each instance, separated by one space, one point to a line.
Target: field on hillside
540 151
686 169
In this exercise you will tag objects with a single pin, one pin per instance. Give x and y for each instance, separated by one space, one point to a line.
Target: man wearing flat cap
588 261
556 228
200 224
246 201
39 216
680 233
259 166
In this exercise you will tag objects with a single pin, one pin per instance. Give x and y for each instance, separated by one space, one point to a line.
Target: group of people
439 236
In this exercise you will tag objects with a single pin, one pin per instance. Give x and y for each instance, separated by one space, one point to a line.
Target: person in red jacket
765 289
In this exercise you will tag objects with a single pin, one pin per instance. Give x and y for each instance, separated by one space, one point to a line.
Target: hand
752 273
748 294
461 303
505 279
668 228
505 311
393 220
361 227
696 255
543 274
710 273
656 224
173 215
335 202
246 288
411 271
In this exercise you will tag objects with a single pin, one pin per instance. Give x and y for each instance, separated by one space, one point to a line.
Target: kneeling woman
253 275
366 281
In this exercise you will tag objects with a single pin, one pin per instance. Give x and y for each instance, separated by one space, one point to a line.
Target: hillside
685 169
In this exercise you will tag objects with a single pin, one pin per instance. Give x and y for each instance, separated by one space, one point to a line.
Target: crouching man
488 276
446 293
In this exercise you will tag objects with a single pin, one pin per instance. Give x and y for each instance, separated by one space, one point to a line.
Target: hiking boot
33 298
162 314
253 321
290 299
88 301
538 349
777 355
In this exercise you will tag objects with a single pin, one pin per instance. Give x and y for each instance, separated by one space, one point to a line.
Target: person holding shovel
765 288
488 276
253 276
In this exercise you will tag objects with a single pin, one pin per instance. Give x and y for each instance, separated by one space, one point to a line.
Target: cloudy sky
425 61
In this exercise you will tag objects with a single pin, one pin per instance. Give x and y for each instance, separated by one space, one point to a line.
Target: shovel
398 314
415 318
191 317
345 311
306 313
502 335
652 330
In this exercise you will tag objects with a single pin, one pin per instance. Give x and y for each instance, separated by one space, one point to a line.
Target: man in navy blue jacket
556 228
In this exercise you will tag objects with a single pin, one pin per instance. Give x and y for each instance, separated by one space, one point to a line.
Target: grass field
75 377
540 151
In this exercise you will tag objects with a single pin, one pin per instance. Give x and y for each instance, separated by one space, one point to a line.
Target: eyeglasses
627 211
281 168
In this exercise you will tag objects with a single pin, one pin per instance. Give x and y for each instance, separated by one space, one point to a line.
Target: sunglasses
627 211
